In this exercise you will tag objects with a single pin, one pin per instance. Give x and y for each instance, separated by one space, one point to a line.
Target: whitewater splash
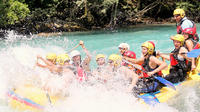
17 67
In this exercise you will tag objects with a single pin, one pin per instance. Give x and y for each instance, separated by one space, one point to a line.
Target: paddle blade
165 82
149 99
194 53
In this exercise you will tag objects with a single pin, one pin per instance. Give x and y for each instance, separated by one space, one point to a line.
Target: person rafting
55 63
101 62
182 22
124 49
114 67
63 64
101 68
178 61
190 44
64 76
151 66
82 68
49 62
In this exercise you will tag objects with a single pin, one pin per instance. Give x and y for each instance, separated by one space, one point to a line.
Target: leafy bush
13 12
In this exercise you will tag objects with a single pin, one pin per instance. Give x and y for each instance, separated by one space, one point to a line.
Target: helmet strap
123 53
146 54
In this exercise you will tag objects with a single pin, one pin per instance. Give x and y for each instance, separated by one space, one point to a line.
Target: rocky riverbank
52 28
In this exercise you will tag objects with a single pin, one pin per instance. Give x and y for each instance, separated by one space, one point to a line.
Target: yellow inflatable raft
30 98
35 99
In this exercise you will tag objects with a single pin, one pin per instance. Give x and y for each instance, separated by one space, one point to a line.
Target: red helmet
130 54
152 43
190 31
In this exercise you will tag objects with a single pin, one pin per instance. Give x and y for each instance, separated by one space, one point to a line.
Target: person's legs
147 86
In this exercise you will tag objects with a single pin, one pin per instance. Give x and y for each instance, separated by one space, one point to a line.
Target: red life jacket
145 75
197 46
81 74
174 61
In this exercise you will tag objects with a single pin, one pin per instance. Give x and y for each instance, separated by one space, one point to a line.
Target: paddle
73 48
49 99
162 80
166 82
150 99
194 53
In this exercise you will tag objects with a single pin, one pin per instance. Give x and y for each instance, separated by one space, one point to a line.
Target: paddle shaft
173 53
73 48
162 80
135 66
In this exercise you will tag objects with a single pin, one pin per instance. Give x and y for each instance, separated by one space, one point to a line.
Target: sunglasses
100 59
110 61
121 48
177 15
61 62
67 61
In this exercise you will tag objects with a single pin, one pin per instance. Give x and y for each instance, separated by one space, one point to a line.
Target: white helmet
124 45
74 53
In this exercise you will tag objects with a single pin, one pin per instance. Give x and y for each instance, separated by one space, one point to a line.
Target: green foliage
98 13
14 12
188 7
17 11
22 1
80 3
185 5
108 3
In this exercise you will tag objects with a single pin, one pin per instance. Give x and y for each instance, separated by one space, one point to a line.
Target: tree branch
147 8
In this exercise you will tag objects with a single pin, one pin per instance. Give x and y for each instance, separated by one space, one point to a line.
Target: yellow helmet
116 59
51 56
100 56
180 12
149 45
62 58
179 38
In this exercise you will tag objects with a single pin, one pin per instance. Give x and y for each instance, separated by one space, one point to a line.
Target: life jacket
180 30
129 54
147 68
81 75
196 45
79 72
176 63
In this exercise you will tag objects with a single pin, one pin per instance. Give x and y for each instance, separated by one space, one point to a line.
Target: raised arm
164 56
183 52
38 64
190 45
136 61
45 61
88 58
